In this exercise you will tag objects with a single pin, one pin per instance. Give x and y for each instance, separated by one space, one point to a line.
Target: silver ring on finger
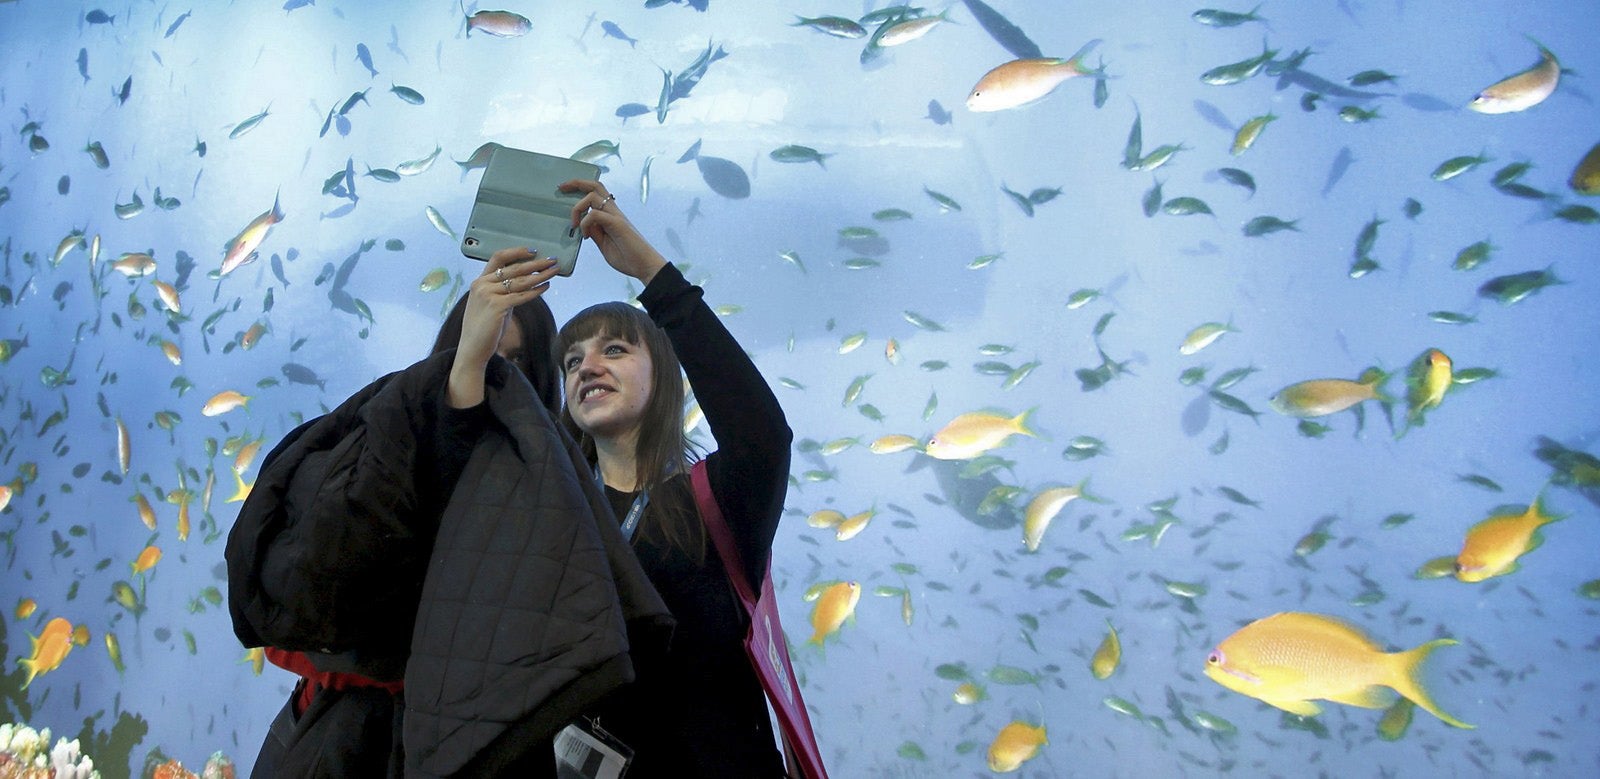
507 284
608 199
500 273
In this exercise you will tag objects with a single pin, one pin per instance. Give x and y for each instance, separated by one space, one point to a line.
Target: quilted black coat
508 613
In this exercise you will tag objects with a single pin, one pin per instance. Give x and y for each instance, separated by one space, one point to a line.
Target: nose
589 366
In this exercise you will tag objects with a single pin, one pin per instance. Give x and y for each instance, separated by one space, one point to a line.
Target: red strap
297 663
717 527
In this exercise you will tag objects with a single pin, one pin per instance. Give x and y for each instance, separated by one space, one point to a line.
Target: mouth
593 391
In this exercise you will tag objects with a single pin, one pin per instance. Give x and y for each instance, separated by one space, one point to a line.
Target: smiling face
608 383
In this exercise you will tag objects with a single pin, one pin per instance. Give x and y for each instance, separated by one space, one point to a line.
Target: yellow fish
1586 177
1015 744
1203 336
1292 658
147 514
49 649
114 649
242 248
1043 508
1108 656
825 518
1426 384
890 444
974 433
1247 135
169 297
146 560
225 401
1022 81
256 657
968 693
241 489
836 604
852 527
1523 90
26 607
1492 546
124 447
1321 397
80 635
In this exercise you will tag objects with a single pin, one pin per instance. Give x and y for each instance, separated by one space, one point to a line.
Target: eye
568 364
615 348
1215 658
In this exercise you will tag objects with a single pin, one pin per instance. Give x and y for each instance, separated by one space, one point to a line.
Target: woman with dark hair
434 562
700 711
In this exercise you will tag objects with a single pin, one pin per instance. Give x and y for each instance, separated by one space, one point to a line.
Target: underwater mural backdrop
1178 389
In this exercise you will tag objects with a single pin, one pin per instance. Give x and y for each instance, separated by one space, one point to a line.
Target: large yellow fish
1492 546
1523 90
1586 176
836 604
242 248
1292 658
1015 744
1023 81
1043 508
974 433
1321 397
49 649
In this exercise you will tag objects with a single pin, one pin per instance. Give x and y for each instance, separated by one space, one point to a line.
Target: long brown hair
663 450
538 356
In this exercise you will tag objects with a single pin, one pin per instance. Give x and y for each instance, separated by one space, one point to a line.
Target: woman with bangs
700 711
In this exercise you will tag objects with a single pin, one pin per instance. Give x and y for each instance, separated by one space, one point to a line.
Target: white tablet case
518 205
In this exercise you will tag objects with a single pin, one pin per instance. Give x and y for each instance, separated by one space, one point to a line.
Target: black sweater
702 711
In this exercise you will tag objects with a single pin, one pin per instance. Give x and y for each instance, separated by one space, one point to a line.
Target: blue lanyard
631 523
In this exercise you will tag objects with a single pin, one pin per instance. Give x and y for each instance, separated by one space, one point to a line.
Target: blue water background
1524 673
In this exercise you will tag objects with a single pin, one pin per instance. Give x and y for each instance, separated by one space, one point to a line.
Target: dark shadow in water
1213 115
1336 171
1423 102
1196 415
963 494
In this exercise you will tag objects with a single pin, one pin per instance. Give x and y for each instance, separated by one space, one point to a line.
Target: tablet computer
518 205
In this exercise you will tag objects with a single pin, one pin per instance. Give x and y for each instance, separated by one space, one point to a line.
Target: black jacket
509 612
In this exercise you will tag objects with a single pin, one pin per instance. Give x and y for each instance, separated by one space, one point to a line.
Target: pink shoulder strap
717 527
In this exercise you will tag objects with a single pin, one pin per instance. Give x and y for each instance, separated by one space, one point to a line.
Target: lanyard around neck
630 524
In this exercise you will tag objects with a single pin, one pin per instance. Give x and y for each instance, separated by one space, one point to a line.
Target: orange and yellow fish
1321 397
1291 659
147 513
169 296
1022 81
146 560
836 604
1015 744
1492 546
49 649
225 401
26 607
974 433
242 248
1523 90
1426 383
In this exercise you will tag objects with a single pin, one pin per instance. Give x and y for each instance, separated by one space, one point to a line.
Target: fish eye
1215 658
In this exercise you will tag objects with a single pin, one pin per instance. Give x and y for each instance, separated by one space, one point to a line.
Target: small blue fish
98 16
627 111
364 56
293 4
613 31
937 113
83 64
122 94
172 28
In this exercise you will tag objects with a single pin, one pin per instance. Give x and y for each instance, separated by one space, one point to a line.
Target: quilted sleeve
331 546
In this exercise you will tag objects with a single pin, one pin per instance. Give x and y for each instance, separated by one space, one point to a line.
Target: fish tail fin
1085 494
32 668
1020 422
1075 62
1406 667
